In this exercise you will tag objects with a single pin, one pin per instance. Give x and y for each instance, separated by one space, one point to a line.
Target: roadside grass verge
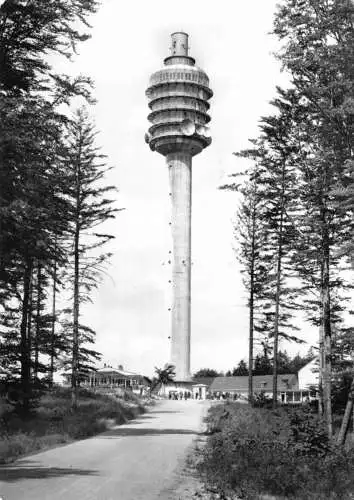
252 452
52 422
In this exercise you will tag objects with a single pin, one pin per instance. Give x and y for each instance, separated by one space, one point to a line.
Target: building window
297 396
290 396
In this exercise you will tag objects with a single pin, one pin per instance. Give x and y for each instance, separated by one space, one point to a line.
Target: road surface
138 460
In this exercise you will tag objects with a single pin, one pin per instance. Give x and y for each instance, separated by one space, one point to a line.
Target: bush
53 420
308 433
253 451
16 445
261 400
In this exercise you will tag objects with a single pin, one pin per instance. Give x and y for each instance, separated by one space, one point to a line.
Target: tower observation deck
178 99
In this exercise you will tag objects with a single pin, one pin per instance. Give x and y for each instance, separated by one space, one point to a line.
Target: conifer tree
317 39
32 206
90 207
343 355
30 31
251 238
276 187
241 370
280 194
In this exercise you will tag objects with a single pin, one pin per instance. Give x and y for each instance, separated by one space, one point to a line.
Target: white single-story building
193 389
237 387
308 375
110 379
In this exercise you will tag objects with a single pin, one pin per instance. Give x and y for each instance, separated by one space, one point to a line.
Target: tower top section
178 99
179 45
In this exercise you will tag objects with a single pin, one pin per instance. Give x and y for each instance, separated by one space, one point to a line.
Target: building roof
260 383
109 370
116 371
314 363
203 380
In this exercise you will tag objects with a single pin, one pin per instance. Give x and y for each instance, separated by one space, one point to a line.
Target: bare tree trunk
326 306
276 333
320 376
250 347
75 357
25 352
321 355
277 295
346 418
52 334
38 314
251 318
327 373
29 321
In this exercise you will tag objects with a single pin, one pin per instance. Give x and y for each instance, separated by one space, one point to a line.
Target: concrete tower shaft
178 99
180 177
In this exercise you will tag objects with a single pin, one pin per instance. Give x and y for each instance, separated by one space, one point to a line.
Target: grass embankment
52 422
251 452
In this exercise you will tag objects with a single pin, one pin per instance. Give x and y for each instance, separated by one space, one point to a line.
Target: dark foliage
252 451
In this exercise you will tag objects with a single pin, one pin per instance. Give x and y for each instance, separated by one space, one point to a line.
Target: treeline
53 197
262 365
294 224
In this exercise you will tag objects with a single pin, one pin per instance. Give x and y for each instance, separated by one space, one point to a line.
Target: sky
230 40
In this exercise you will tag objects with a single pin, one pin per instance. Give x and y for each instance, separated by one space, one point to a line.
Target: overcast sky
230 41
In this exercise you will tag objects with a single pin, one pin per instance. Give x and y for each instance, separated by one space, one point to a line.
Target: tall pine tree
90 207
317 39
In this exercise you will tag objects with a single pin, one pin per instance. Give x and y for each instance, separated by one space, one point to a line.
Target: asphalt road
138 460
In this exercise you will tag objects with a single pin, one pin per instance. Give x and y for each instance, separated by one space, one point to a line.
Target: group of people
182 395
223 395
179 395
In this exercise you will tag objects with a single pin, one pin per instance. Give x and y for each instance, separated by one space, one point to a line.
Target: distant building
292 388
237 387
197 388
109 379
308 375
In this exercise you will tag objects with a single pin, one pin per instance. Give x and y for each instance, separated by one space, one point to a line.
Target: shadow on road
130 431
164 411
28 470
140 417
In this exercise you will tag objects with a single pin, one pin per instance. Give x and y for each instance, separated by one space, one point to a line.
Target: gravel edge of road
188 484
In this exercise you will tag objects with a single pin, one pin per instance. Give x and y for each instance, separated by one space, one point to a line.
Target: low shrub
16 445
53 421
261 400
308 433
254 451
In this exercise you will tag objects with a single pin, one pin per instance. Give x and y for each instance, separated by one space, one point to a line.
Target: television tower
178 98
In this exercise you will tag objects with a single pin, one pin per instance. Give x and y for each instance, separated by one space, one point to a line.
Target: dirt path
138 460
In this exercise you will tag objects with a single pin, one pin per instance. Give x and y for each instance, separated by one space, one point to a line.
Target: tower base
183 390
